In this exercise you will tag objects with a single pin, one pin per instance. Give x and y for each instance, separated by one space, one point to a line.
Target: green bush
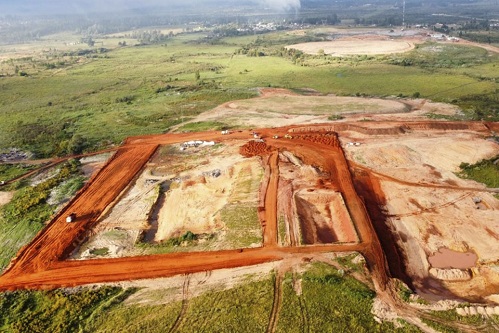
485 171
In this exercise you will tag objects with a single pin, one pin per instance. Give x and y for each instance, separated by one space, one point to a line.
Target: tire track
304 314
303 308
209 315
276 305
434 208
183 310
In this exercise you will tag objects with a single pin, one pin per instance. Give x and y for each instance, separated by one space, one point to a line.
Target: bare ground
5 197
352 46
281 106
424 219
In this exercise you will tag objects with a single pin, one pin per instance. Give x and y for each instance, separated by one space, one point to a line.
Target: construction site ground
385 188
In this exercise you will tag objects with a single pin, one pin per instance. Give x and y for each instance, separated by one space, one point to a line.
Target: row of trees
150 36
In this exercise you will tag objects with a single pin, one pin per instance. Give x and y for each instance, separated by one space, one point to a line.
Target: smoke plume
284 5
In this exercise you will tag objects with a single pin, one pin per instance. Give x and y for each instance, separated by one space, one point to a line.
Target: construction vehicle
71 218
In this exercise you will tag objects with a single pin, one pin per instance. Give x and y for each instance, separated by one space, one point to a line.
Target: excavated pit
324 218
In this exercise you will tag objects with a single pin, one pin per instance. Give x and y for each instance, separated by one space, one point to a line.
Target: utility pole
403 14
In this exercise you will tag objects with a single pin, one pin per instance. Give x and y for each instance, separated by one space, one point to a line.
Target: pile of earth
254 148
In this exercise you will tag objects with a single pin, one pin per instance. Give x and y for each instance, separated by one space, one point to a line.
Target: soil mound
394 130
330 139
254 148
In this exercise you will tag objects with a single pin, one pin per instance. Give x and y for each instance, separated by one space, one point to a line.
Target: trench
369 189
150 233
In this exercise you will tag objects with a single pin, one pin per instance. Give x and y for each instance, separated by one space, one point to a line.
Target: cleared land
311 147
437 211
355 46
319 204
220 259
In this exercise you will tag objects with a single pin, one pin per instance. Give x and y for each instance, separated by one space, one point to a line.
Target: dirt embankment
369 189
394 128
323 217
493 126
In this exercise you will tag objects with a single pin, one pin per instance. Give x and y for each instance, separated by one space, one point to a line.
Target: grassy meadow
329 301
98 96
320 298
484 171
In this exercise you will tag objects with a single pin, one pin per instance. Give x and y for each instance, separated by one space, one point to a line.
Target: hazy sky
87 6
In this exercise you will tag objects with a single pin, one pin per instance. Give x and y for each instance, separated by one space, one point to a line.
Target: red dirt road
42 264
270 232
60 237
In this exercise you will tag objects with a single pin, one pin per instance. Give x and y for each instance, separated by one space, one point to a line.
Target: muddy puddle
447 258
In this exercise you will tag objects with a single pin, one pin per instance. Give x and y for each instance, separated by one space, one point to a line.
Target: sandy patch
285 108
352 47
419 158
92 164
5 197
440 108
119 228
193 208
196 203
426 220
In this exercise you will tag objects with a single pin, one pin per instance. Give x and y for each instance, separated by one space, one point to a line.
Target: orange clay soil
42 264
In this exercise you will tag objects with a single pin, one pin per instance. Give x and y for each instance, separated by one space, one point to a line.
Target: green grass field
329 301
147 89
485 171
